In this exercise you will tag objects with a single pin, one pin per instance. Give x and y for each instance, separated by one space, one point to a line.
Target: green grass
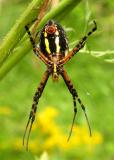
93 78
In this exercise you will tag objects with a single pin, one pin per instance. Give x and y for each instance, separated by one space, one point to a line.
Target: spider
52 49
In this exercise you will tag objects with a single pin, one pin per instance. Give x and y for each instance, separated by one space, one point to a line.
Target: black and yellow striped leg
36 49
34 106
75 97
79 46
81 43
31 38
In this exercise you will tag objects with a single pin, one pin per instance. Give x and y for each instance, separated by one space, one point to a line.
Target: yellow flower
55 137
45 121
79 137
56 140
5 110
17 144
33 145
49 113
97 138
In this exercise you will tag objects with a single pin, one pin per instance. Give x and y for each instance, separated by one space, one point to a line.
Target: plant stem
17 55
17 31
64 7
97 53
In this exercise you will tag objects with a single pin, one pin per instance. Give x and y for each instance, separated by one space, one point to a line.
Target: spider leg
75 96
36 49
79 46
36 97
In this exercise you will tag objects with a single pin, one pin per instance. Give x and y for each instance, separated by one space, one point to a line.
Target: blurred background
92 74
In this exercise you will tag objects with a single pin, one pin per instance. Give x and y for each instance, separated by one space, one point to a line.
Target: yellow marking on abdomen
57 44
45 34
47 46
55 68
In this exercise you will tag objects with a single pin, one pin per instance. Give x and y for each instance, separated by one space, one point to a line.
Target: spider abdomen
53 39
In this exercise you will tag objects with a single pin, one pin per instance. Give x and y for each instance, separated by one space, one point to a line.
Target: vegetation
92 73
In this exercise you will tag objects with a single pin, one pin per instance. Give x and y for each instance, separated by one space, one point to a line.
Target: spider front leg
36 97
75 97
36 50
79 46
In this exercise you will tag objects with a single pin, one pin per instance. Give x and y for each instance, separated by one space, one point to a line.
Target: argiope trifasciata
51 50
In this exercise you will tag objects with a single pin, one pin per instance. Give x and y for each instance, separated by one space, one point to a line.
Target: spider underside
52 51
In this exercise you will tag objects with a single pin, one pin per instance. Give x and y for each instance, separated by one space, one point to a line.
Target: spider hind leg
37 95
75 97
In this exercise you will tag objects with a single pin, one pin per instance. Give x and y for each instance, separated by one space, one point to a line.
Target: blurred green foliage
92 77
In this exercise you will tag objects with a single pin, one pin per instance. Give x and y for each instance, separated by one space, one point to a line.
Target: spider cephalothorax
52 51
